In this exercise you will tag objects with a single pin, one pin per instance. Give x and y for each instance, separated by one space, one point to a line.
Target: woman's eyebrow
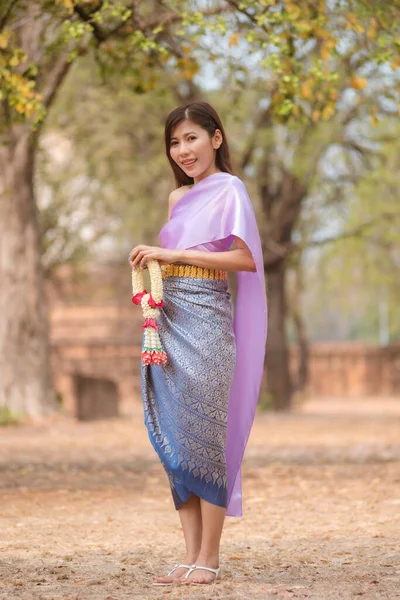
188 133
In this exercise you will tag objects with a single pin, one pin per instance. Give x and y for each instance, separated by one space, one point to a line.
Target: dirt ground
85 509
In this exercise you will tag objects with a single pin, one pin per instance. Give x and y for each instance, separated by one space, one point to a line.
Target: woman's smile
189 163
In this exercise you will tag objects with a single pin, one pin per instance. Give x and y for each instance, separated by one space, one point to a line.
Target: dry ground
85 511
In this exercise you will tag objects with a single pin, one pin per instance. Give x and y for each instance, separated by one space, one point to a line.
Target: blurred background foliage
103 183
309 93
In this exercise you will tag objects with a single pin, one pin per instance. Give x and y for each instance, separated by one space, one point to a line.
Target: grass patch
7 417
266 402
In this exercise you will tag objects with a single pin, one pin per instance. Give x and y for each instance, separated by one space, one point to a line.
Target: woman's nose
183 150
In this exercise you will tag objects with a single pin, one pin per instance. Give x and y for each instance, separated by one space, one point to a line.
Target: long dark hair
204 115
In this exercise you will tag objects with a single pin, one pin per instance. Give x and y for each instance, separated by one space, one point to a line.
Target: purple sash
218 208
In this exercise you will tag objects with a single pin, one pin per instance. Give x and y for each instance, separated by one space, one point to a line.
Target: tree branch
171 18
98 33
4 18
263 119
56 77
352 233
274 252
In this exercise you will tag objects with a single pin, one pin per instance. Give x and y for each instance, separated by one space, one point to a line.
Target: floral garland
152 353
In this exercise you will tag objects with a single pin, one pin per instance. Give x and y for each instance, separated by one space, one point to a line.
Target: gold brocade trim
192 271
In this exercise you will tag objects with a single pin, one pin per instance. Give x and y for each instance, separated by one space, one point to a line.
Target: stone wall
96 355
99 343
352 369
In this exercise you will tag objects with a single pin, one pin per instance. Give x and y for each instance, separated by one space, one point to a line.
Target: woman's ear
217 139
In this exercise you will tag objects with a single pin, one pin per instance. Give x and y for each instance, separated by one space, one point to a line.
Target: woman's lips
188 165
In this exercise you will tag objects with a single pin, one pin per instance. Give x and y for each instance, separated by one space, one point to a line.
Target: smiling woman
199 406
196 145
193 150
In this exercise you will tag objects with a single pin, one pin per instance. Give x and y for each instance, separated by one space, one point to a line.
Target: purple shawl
218 208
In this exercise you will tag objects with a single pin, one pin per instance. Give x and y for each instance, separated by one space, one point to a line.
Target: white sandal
170 573
196 567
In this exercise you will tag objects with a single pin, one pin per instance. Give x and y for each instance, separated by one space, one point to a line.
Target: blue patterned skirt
186 401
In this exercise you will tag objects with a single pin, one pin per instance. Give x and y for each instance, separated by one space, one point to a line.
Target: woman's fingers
139 256
134 252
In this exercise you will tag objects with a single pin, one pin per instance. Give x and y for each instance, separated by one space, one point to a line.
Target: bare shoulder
177 194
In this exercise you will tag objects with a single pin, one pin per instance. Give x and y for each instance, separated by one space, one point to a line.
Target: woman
199 408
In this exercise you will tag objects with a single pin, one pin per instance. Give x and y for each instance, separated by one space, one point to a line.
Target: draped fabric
186 401
214 211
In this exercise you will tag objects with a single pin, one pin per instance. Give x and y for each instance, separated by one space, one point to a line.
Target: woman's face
193 150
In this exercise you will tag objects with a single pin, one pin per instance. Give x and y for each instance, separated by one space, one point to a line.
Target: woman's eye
192 138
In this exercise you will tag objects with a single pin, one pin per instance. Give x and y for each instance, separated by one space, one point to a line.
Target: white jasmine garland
152 351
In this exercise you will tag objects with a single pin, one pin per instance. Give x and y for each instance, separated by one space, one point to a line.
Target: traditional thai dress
199 407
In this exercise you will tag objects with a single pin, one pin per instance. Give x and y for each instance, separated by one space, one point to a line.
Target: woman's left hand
140 255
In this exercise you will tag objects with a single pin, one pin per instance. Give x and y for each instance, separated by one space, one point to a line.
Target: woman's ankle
208 560
190 558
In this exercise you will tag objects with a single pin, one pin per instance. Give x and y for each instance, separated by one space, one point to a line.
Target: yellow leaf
4 39
395 64
234 39
306 90
292 10
186 50
331 43
333 94
69 4
374 118
327 112
358 83
324 52
14 61
358 28
353 23
29 109
315 116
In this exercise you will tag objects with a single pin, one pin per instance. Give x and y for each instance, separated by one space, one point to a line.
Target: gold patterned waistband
175 270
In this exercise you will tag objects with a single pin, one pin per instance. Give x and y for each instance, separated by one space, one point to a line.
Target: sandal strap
179 567
195 567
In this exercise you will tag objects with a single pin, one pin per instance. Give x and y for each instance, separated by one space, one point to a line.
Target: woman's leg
190 516
213 521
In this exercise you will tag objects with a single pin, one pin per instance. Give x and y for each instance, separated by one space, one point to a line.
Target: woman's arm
239 259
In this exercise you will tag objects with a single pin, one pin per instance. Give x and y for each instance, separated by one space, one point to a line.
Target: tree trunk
302 343
25 381
277 355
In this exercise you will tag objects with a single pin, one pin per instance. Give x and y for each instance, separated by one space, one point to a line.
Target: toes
199 581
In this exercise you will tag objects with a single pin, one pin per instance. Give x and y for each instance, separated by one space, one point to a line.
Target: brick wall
103 342
352 369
